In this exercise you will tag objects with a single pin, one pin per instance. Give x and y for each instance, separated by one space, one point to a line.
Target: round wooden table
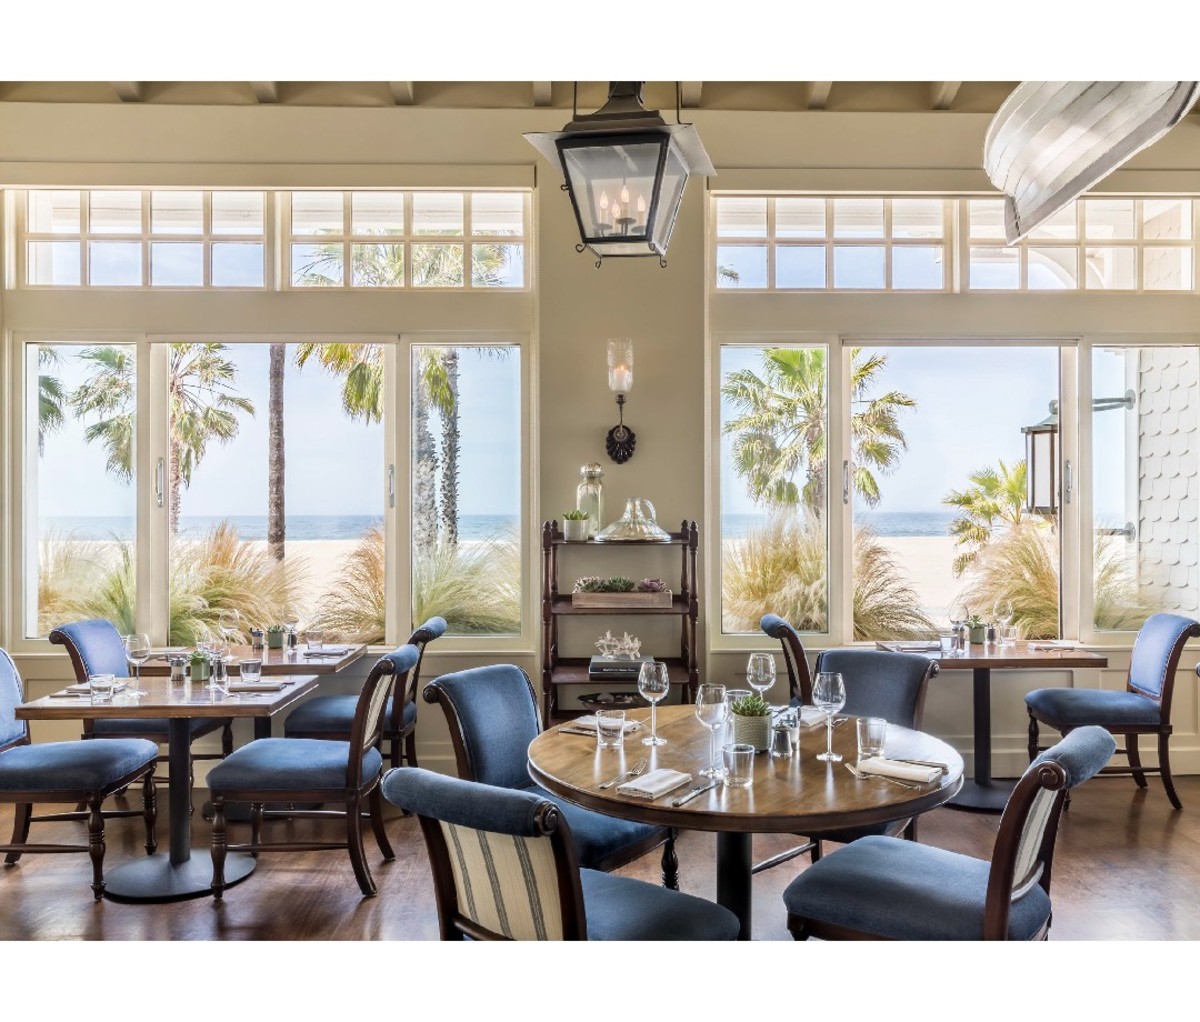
801 795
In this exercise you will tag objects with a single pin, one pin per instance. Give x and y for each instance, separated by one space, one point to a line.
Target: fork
636 770
883 777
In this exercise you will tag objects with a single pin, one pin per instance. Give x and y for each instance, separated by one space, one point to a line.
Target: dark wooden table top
277 661
797 795
164 699
1016 657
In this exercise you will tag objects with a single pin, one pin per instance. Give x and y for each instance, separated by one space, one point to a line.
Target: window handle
1068 482
845 482
159 478
391 485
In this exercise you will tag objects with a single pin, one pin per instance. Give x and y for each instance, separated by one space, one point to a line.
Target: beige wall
577 306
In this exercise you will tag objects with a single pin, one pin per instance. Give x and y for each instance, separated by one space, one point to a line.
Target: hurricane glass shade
1041 459
620 365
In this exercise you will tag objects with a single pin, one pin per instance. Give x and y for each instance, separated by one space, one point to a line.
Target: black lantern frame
596 151
1041 466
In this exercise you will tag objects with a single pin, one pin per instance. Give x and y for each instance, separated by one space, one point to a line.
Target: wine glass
291 622
653 681
1003 612
228 624
760 672
137 652
829 694
712 710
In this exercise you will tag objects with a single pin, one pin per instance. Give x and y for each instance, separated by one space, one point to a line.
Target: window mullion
153 527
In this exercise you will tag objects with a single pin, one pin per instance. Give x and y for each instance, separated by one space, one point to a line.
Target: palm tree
201 405
780 429
276 515
995 497
52 398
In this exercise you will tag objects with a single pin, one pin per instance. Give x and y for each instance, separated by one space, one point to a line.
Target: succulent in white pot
751 716
575 526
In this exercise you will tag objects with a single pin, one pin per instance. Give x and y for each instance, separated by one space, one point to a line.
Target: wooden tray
615 601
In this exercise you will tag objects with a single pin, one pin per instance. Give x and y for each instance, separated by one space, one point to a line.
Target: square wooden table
174 875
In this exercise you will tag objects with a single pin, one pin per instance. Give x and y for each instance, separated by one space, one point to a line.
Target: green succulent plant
575 516
589 584
975 621
275 629
751 706
618 584
199 657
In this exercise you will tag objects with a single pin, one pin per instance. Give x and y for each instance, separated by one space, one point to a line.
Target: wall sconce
1041 458
621 439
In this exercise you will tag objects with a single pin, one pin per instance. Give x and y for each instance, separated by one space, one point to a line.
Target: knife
684 799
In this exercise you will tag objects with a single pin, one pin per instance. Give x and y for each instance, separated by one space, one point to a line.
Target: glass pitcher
636 523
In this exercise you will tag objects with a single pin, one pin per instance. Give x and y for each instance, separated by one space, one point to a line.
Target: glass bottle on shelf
589 496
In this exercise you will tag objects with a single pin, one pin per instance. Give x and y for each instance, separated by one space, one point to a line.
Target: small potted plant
275 637
751 717
575 526
976 629
199 666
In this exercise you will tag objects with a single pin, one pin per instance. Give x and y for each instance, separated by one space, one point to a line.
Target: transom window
140 239
906 243
414 239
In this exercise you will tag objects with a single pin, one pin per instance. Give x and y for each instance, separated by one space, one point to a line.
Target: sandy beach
927 561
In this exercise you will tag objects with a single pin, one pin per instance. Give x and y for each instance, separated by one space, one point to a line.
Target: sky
335 465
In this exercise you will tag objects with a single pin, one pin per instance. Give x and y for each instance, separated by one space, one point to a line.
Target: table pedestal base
735 862
156 878
989 797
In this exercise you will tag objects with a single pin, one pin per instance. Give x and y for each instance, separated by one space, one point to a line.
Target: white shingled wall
1168 478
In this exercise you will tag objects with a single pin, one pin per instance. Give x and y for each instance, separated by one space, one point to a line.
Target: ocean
471 527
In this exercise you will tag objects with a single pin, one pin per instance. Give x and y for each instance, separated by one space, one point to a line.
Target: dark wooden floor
1127 868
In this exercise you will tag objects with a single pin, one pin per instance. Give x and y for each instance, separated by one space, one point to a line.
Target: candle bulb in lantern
625 196
622 379
616 210
641 208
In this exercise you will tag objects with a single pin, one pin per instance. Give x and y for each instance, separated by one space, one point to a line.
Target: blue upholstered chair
878 684
883 888
799 679
330 717
67 772
505 867
1144 708
493 716
96 647
313 770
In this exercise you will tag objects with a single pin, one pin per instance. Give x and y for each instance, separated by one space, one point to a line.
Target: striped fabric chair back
1024 850
505 884
504 863
368 714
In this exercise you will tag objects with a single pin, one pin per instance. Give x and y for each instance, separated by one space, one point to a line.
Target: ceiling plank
402 93
266 92
130 92
690 93
941 94
541 93
818 94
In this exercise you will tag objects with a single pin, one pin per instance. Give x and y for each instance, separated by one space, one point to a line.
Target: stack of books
616 669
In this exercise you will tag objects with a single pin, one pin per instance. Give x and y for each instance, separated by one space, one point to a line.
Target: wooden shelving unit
559 670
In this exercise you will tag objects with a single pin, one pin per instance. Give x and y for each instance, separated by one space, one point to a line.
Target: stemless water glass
760 672
1003 612
829 695
137 652
712 710
653 682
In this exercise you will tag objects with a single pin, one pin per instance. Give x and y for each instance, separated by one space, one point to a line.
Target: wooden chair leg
1164 764
227 738
150 812
355 845
814 853
1135 759
910 832
256 822
375 802
796 927
219 847
410 749
1033 735
96 846
670 862
20 834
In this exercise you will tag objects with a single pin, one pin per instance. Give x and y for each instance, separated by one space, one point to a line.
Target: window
1145 477
787 243
418 239
465 487
79 546
137 239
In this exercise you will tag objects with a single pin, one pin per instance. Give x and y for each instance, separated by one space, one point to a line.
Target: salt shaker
256 638
781 740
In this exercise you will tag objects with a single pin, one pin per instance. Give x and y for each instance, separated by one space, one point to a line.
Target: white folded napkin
589 721
1053 644
810 715
256 686
901 771
654 784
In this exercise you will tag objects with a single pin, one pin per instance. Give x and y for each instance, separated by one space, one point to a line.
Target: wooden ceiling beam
266 92
690 94
403 93
941 94
130 92
818 95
